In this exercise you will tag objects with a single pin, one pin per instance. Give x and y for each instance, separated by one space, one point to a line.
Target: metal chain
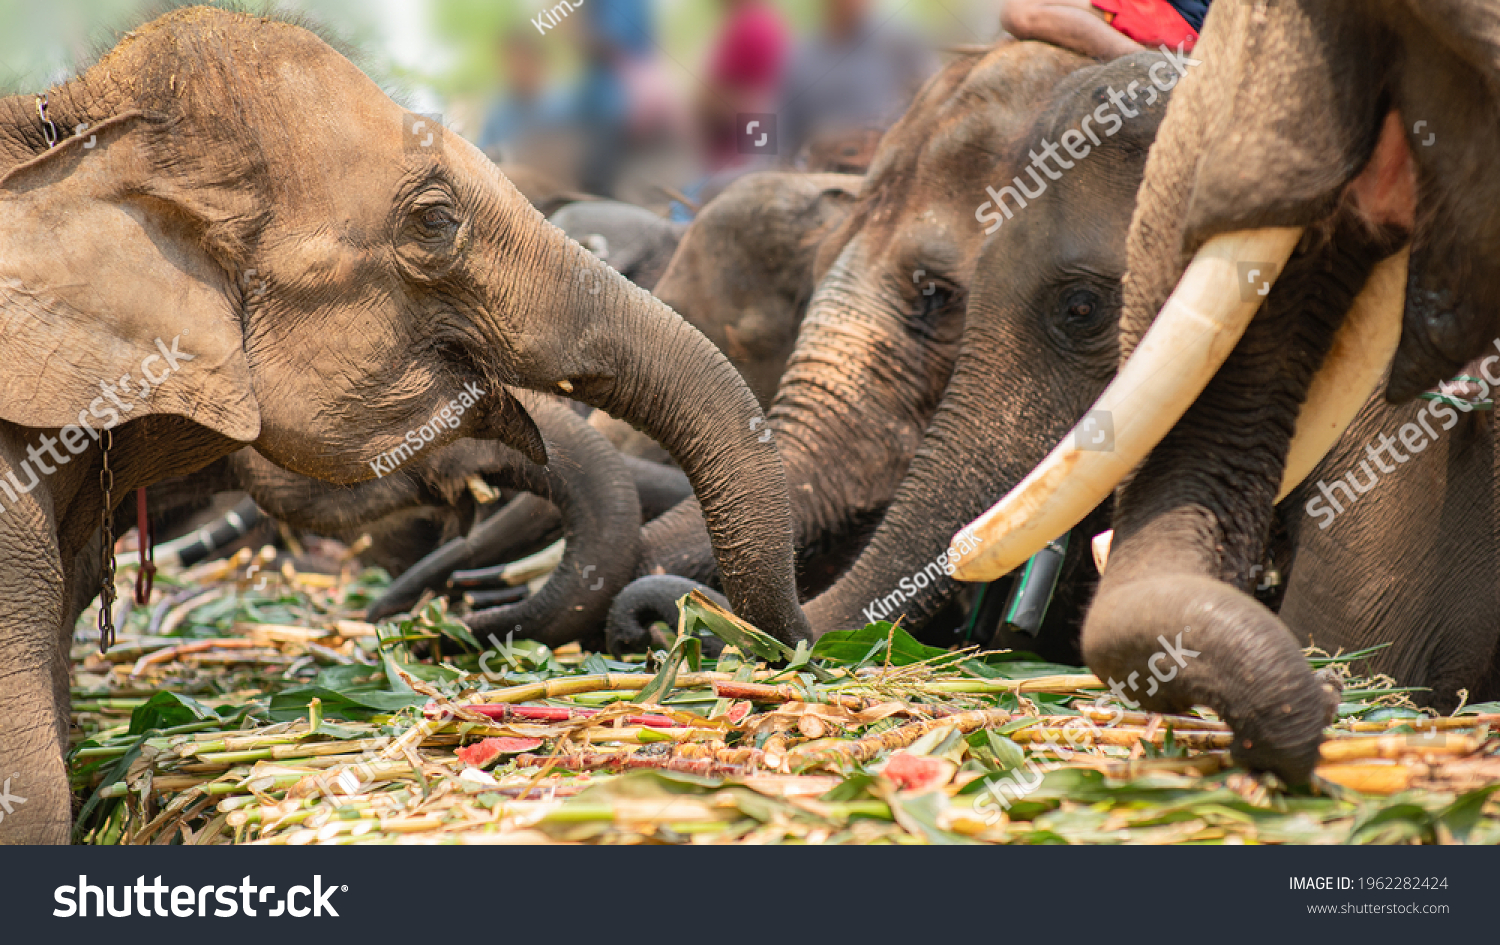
106 475
107 526
49 130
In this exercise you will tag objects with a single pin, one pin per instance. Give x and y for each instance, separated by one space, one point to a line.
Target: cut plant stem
574 685
865 749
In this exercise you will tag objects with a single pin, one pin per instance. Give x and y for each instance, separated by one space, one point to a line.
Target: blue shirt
512 118
625 24
628 27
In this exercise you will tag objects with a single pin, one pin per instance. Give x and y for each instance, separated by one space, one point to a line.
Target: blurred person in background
624 95
744 75
854 75
1106 29
745 65
528 108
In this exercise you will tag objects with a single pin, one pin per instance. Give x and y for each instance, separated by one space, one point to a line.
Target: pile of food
260 708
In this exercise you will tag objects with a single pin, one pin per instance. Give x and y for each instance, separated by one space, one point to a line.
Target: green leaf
919 814
697 609
356 704
688 649
994 750
1318 662
168 709
1464 813
1396 824
868 645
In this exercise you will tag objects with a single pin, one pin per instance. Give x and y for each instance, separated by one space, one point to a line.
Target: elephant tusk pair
1187 344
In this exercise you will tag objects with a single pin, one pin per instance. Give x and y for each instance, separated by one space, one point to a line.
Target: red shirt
1151 23
750 50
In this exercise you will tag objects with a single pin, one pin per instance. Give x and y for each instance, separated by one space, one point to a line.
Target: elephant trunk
971 453
601 517
1173 624
1170 642
578 327
660 488
848 416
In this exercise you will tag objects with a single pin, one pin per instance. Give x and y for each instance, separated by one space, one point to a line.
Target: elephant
1397 567
431 494
1398 547
636 243
318 307
1038 346
881 331
745 269
742 275
1316 217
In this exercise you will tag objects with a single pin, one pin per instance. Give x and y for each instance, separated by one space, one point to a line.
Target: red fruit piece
917 772
483 752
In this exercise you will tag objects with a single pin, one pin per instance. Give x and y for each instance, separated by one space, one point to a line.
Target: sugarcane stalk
622 761
577 685
1369 747
1443 723
1368 778
1061 684
1123 737
503 712
864 749
183 649
1179 723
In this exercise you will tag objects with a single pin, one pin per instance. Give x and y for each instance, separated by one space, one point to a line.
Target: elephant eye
933 298
435 222
1080 307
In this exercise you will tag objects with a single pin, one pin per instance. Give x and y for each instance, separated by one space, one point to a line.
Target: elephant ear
106 287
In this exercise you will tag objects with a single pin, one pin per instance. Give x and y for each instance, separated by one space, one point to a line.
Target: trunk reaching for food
1174 624
601 518
905 570
586 332
848 416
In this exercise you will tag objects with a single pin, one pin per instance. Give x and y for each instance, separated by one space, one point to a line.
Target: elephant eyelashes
435 223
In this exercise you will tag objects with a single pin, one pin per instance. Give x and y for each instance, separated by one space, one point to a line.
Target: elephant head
340 271
1038 346
881 332
291 260
1315 141
745 268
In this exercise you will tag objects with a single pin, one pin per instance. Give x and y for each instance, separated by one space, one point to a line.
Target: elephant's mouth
508 421
1213 305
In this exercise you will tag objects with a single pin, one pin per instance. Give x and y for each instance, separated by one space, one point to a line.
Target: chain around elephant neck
106 527
106 475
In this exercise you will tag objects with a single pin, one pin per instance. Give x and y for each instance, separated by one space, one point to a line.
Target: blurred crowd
636 124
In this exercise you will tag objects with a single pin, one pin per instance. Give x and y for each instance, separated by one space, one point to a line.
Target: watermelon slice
483 752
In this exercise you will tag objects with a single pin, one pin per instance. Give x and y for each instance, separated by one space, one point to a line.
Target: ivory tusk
1191 338
1354 367
1101 544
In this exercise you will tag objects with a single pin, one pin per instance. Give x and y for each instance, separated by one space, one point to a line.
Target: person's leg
1074 24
